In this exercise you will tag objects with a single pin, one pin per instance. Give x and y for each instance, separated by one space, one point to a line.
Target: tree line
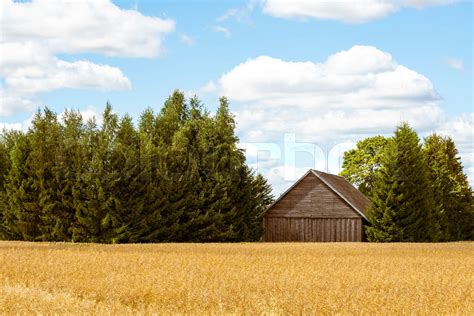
176 176
418 192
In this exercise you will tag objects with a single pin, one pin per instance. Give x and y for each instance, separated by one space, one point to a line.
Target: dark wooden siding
311 211
313 229
311 198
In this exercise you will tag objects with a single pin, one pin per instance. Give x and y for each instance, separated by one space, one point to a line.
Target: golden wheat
249 278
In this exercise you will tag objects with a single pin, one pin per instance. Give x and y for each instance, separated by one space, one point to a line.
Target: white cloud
30 41
187 40
456 64
94 26
23 82
353 94
346 11
58 74
359 91
221 29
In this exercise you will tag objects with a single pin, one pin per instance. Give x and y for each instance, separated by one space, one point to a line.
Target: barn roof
339 185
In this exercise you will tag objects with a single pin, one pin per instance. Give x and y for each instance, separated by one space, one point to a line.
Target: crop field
252 278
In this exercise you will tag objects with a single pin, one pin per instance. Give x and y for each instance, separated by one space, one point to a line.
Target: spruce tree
149 226
402 208
22 215
106 177
452 194
128 188
179 176
5 166
226 173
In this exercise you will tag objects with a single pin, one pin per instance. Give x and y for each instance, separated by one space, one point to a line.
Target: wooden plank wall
311 198
313 229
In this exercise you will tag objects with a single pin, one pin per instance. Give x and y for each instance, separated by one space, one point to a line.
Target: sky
306 79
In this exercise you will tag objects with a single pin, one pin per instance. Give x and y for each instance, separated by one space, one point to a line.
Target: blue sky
329 73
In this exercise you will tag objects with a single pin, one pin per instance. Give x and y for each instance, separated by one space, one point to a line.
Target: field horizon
243 278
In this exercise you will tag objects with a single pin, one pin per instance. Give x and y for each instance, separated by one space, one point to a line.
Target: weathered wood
311 198
311 211
313 229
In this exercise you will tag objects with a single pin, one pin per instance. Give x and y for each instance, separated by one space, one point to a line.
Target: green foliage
178 176
402 204
415 195
360 164
452 195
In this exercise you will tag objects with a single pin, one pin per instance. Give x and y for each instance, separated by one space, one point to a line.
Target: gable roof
339 185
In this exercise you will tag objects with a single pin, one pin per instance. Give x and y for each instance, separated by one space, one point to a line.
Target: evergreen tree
402 208
452 194
149 226
70 163
226 172
5 166
179 176
94 200
169 169
86 224
106 177
22 216
172 117
128 189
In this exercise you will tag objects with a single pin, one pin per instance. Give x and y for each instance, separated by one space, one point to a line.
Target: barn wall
311 198
313 229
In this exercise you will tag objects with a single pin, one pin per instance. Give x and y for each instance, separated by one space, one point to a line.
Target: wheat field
250 278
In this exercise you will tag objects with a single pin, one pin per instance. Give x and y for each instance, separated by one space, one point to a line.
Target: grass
290 278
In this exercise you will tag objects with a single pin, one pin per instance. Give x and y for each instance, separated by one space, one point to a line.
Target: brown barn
318 207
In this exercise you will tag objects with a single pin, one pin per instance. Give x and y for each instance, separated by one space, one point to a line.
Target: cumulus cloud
346 11
362 90
30 42
94 26
353 94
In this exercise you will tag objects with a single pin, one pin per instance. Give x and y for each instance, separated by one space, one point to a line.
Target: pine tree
106 177
261 197
5 166
128 189
71 163
94 202
199 222
22 215
172 117
178 177
169 170
149 226
402 205
226 173
452 194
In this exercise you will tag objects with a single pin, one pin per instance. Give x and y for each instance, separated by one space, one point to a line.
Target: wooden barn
318 207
